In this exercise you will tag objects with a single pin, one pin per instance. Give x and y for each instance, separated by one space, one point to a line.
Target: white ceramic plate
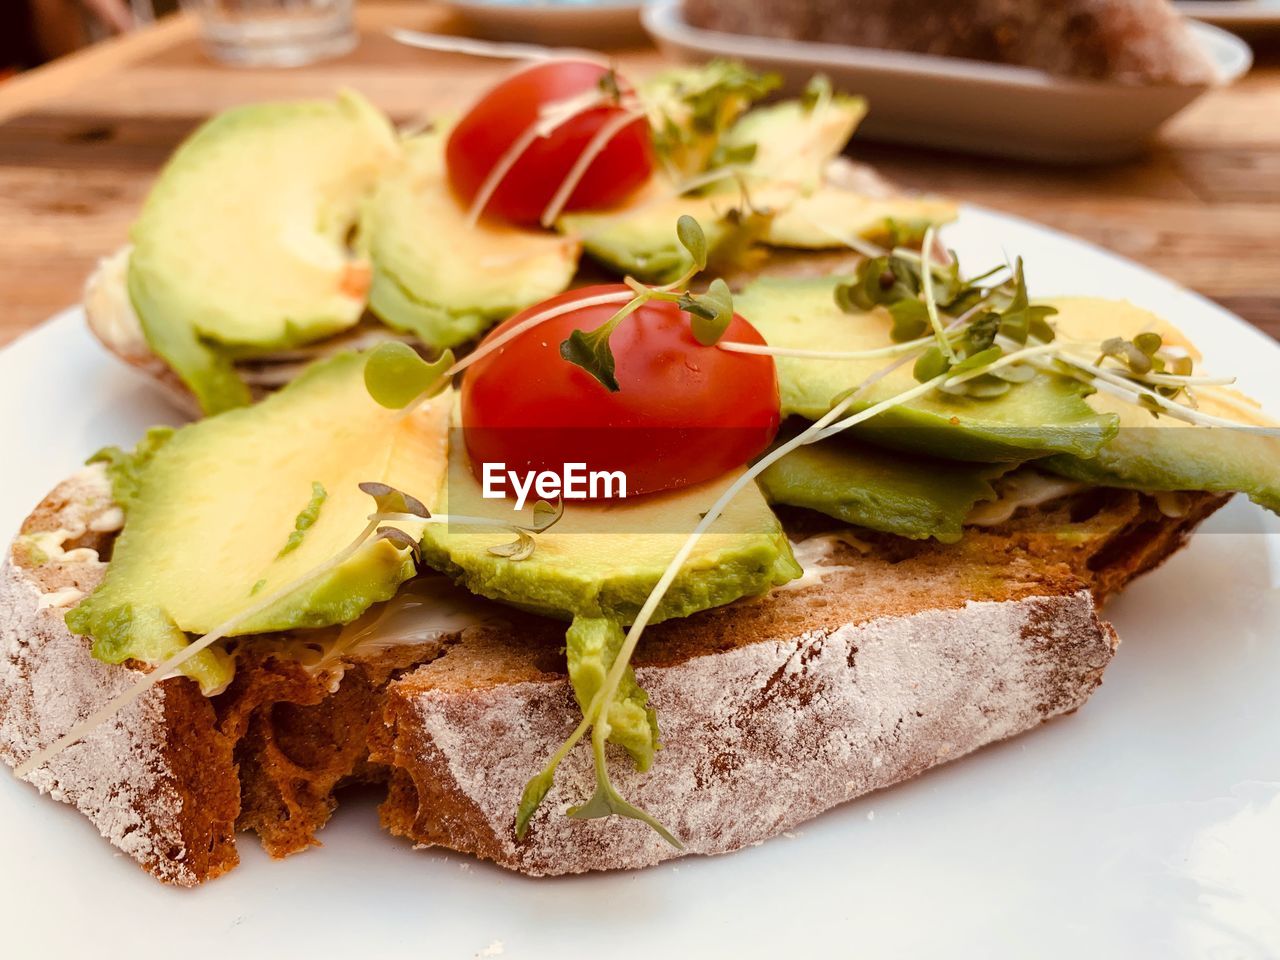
586 23
1146 825
961 104
1246 17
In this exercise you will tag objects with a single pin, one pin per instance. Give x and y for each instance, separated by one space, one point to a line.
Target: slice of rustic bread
1130 41
893 657
890 658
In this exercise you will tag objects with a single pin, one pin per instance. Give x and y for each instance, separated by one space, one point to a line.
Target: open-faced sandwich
658 567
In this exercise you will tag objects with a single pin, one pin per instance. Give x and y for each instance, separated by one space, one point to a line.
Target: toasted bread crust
158 780
895 657
756 739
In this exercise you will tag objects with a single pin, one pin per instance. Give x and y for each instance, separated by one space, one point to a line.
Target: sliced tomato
506 114
684 412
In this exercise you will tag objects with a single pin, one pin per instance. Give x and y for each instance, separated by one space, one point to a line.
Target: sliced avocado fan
235 507
440 278
1048 414
1161 453
241 247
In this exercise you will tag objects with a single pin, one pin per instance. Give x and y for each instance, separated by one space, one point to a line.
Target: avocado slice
602 559
439 278
817 221
791 145
910 496
1046 415
792 142
242 504
796 145
787 183
241 248
639 239
1161 453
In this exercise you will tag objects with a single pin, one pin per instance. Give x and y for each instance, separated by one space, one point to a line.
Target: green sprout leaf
930 364
388 499
710 313
591 351
979 359
689 232
546 514
817 90
608 84
910 320
535 791
981 332
1148 343
518 549
878 281
401 540
690 111
396 376
739 154
1127 353
1020 320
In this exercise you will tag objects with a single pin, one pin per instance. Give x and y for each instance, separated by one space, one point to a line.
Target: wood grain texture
84 138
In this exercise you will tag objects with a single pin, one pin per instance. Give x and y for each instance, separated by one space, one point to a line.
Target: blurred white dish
966 104
585 23
1247 17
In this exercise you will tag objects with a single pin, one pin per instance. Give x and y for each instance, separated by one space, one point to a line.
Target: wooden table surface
80 141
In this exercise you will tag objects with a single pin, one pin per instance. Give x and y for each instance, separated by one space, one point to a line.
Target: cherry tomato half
505 113
684 412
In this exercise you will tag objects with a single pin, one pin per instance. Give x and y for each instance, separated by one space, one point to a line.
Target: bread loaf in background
1127 41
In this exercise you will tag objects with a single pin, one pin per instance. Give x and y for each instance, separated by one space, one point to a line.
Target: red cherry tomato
685 412
505 113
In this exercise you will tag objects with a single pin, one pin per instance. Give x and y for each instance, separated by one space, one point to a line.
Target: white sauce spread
812 553
1022 488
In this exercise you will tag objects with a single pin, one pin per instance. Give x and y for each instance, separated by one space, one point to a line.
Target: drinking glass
274 33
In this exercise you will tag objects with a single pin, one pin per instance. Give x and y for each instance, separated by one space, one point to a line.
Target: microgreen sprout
396 376
393 505
817 93
690 111
710 313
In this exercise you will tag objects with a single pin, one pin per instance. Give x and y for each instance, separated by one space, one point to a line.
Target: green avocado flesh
818 220
591 645
1161 453
792 148
1046 415
793 143
639 240
241 248
210 509
439 278
602 559
912 497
